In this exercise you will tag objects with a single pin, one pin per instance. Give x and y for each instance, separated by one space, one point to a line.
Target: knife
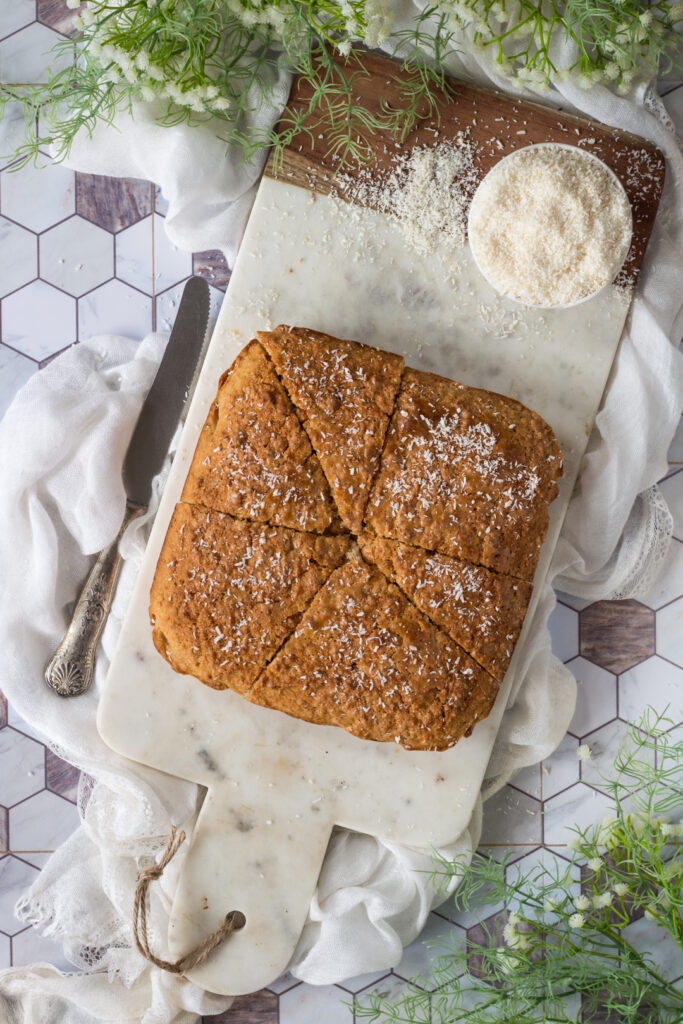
71 668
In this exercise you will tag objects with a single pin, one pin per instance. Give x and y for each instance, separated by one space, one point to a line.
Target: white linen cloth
61 448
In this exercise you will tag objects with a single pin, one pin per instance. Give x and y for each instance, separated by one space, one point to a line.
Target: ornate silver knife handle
71 669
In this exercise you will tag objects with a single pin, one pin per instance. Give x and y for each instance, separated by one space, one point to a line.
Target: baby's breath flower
148 94
511 935
142 60
155 73
514 919
584 751
344 47
582 902
595 863
603 899
73 5
574 842
549 903
577 921
221 103
621 888
87 16
78 22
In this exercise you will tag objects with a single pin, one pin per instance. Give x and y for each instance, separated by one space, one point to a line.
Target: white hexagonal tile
5 952
511 817
41 823
15 878
16 15
361 981
76 256
543 867
25 56
528 780
669 582
37 197
18 256
286 981
312 1004
564 631
655 683
561 769
22 767
579 603
15 370
669 627
596 696
672 489
28 947
171 264
38 320
11 132
647 937
604 745
135 255
115 308
579 805
436 938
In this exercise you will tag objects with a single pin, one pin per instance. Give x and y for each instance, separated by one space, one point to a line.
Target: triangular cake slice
481 610
344 392
365 659
227 593
467 473
253 458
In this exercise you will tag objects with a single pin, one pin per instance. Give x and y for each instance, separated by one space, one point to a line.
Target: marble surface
288 770
534 810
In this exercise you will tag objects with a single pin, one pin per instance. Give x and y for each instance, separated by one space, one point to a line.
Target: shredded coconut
427 192
550 225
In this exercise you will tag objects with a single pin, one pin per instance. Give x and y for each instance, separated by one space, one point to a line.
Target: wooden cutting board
276 786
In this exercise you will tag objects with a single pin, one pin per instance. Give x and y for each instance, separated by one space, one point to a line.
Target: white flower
584 751
514 919
211 92
582 902
650 912
344 47
113 75
576 921
595 863
78 23
148 94
603 899
87 16
574 842
73 5
621 888
549 904
221 103
142 60
645 19
511 935
612 71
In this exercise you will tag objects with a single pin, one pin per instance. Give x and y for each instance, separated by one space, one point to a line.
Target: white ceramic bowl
619 258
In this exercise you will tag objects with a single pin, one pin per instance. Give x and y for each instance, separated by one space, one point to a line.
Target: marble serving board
276 786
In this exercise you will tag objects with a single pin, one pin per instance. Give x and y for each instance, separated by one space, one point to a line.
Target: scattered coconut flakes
550 225
427 192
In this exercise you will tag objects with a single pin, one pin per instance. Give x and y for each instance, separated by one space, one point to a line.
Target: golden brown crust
364 658
253 458
467 473
228 593
481 610
344 392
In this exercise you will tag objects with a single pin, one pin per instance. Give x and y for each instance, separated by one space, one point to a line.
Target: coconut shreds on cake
314 443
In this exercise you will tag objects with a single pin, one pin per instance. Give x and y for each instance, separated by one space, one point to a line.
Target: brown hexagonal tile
212 266
56 15
257 1008
113 203
600 1014
617 634
61 777
3 710
488 933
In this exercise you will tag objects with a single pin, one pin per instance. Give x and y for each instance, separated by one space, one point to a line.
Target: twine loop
233 921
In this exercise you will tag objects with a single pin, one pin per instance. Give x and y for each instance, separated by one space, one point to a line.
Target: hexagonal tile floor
83 254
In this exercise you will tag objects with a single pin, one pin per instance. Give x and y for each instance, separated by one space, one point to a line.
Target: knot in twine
234 919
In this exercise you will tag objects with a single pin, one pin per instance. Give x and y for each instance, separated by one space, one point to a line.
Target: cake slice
344 393
228 593
365 659
253 458
467 473
481 610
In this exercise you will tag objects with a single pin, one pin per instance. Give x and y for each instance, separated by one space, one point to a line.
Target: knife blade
71 668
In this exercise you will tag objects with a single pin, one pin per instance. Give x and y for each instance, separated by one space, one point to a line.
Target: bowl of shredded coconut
550 225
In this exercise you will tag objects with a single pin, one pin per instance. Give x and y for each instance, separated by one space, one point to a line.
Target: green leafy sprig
562 949
193 61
